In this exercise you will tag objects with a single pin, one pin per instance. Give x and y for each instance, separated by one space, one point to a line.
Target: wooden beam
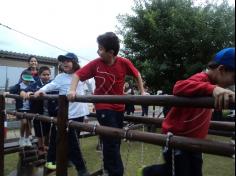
185 143
214 125
158 100
2 118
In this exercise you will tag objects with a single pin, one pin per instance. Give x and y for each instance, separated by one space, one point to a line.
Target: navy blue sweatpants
111 146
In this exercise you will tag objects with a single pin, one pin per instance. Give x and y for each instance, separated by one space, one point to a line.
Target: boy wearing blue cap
194 122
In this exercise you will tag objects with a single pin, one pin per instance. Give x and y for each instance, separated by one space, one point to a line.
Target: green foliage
170 40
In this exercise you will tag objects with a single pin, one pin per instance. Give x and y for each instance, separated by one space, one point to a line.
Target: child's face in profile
45 76
67 66
226 78
105 55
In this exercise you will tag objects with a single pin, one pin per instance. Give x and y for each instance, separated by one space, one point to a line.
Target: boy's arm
52 86
139 82
198 87
29 90
191 87
72 91
14 89
223 97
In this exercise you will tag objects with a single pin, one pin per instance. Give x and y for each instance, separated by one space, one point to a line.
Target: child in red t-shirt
194 122
109 71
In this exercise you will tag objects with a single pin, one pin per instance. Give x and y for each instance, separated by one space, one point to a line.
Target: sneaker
22 142
83 173
50 165
28 142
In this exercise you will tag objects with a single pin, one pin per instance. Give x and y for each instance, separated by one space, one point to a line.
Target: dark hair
26 72
75 67
109 41
31 58
42 69
213 65
60 68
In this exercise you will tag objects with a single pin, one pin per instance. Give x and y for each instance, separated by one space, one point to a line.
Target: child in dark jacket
23 106
46 107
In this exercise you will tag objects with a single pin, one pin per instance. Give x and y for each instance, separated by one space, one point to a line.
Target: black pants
129 108
51 156
186 164
41 128
75 154
144 110
111 146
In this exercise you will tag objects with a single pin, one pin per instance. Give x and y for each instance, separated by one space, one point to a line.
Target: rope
14 129
68 124
169 136
41 129
50 131
173 162
127 158
142 152
94 128
128 150
233 156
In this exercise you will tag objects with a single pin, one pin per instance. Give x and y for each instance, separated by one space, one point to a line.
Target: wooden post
62 137
2 118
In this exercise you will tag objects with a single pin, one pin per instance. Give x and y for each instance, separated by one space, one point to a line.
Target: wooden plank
2 118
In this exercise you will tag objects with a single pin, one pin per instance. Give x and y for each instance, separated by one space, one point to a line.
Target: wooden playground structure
29 159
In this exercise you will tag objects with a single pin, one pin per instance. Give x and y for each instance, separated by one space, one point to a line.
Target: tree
169 40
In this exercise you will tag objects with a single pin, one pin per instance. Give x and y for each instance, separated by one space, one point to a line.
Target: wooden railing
206 146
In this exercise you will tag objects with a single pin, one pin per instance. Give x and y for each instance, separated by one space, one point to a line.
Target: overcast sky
72 25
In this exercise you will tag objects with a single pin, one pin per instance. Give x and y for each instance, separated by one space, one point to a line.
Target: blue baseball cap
226 57
68 56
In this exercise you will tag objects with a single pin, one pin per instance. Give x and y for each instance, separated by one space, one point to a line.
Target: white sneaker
28 142
22 142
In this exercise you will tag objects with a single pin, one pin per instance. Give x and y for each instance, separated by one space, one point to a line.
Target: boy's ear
111 52
221 69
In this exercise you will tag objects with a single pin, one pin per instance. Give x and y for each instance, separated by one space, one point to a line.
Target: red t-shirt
190 122
109 79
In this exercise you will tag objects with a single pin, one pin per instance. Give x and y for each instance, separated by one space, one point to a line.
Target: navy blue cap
68 56
226 57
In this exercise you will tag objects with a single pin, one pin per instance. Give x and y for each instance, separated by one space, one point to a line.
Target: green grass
213 165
